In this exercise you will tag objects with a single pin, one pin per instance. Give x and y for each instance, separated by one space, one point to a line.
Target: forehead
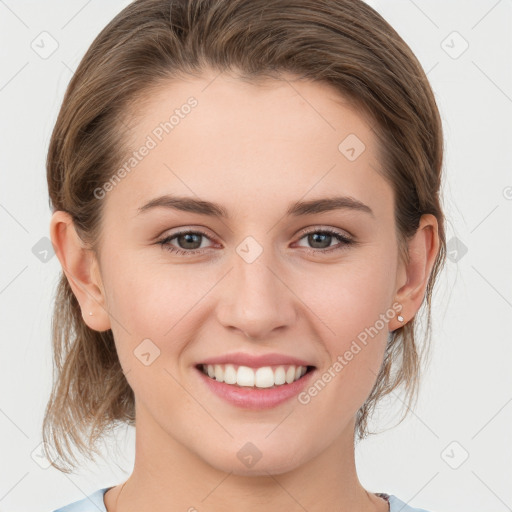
217 134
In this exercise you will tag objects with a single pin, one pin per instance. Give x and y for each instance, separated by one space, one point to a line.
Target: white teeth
264 377
230 375
219 373
245 376
279 376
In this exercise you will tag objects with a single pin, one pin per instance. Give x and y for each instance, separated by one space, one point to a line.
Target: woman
247 214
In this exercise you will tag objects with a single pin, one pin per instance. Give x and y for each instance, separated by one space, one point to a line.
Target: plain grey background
454 452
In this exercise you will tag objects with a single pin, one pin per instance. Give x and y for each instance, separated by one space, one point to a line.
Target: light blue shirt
94 503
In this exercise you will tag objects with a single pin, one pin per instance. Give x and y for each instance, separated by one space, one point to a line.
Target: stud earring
400 317
90 313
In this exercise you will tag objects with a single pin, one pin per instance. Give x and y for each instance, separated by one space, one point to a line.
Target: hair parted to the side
344 43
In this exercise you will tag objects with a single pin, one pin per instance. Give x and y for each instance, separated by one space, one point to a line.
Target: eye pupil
189 239
313 239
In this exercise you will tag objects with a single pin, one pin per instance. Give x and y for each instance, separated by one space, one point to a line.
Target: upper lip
253 361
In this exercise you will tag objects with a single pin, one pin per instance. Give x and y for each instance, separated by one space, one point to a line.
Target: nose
256 299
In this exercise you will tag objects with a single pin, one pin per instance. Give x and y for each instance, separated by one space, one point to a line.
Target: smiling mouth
262 377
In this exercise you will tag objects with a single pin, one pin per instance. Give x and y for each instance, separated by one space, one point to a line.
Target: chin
251 461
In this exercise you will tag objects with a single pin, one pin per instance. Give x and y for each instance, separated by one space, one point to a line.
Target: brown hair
344 43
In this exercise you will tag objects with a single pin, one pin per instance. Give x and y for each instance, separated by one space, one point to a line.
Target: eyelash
345 242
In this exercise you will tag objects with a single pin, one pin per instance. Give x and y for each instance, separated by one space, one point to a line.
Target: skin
254 149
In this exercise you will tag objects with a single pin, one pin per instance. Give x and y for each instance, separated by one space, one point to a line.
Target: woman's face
265 278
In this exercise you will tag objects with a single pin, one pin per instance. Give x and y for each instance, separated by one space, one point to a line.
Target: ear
422 248
81 269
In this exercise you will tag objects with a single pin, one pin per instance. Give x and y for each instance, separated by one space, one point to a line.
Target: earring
90 313
400 317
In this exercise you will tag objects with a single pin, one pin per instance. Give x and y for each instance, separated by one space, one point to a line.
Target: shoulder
92 503
397 505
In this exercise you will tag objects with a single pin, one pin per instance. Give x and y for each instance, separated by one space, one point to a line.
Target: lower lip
256 398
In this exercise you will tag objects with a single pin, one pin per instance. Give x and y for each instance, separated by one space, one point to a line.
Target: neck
168 476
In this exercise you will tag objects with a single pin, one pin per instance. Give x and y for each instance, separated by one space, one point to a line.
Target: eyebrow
299 208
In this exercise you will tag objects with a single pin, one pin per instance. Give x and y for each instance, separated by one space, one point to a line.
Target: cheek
155 302
353 303
350 296
140 303
143 295
149 324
